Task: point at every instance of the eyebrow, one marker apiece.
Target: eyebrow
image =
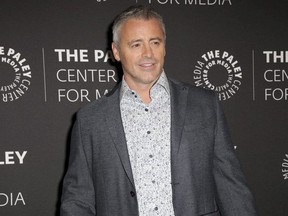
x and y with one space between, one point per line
140 40
134 41
156 38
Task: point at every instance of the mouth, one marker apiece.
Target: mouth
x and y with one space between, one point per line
147 65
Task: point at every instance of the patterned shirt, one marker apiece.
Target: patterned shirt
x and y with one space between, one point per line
147 131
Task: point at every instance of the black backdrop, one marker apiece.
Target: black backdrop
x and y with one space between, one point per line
55 57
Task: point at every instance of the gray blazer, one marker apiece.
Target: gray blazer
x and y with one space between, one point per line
206 176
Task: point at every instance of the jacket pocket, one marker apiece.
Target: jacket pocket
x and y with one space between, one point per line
215 213
211 209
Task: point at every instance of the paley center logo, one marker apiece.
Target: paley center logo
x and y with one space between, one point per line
285 167
219 71
15 74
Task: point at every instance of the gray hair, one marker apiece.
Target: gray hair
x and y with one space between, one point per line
136 12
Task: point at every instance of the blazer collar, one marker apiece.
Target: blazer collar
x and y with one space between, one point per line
115 126
179 94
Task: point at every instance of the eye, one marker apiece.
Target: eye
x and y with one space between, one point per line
135 45
155 42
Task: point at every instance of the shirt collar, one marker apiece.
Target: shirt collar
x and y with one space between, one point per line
162 81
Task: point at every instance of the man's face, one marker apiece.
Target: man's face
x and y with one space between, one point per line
141 51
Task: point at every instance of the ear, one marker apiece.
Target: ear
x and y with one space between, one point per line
115 51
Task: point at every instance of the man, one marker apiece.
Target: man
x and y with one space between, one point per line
153 146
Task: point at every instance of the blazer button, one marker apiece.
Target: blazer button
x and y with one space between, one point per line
132 194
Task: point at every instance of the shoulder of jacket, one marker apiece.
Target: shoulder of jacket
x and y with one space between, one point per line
97 107
192 89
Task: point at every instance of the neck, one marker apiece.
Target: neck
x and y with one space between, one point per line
144 94
143 90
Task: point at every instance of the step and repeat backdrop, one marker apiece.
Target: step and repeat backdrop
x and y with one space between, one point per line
55 57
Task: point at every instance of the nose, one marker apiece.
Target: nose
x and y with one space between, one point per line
147 51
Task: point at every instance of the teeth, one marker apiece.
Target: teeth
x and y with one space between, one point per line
147 64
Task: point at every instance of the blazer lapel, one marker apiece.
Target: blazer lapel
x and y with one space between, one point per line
178 109
114 122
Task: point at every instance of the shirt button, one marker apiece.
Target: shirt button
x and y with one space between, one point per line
156 208
146 109
150 156
148 132
132 193
153 181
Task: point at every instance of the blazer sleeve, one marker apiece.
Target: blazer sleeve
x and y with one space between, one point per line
233 196
78 191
